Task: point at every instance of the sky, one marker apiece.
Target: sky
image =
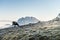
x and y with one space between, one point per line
43 10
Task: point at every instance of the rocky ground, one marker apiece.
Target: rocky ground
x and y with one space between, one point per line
31 32
49 30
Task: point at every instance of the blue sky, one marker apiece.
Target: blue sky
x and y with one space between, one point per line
41 9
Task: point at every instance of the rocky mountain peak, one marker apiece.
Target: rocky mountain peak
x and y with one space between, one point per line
27 20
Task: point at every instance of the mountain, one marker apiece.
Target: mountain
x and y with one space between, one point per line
27 20
58 15
57 18
34 30
55 21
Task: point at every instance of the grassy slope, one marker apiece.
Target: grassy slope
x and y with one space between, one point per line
31 32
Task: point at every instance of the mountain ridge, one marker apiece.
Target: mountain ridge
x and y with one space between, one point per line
27 20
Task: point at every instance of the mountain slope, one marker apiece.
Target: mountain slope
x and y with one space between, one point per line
55 21
49 30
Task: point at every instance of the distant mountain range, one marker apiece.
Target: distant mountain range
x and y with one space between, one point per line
27 20
33 20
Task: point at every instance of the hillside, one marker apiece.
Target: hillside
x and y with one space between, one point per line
49 30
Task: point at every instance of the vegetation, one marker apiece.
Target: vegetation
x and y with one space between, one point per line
33 32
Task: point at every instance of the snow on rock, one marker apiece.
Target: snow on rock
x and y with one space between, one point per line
27 20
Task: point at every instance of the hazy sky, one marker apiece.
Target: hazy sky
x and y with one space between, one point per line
41 9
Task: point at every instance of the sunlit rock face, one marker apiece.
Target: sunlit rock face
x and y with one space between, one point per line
27 20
